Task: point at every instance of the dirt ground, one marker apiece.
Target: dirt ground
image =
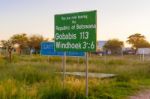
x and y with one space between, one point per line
142 95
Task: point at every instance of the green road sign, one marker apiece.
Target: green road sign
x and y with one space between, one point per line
76 31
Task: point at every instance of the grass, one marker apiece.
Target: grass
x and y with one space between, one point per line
35 77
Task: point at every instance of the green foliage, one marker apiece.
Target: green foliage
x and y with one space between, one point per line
116 62
34 77
8 46
35 41
114 45
29 75
21 40
23 43
138 41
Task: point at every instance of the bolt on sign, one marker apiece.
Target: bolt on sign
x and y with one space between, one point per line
76 31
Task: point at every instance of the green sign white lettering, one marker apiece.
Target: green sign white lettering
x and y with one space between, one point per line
76 31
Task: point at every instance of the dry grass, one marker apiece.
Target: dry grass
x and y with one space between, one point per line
34 77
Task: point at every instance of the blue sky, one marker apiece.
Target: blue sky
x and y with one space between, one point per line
116 18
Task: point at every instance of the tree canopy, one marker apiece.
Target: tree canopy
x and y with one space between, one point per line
21 40
34 42
8 46
25 42
114 45
138 41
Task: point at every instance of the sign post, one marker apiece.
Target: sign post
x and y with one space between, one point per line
64 69
86 74
76 32
143 55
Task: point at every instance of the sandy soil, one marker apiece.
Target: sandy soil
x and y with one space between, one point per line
142 95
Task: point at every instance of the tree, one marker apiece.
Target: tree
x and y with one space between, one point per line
114 45
21 40
8 46
138 41
34 42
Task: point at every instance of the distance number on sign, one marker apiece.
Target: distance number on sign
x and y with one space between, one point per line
88 45
84 35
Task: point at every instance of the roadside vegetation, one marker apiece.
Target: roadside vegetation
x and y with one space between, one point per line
36 77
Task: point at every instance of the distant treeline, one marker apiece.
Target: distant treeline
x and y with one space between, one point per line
22 44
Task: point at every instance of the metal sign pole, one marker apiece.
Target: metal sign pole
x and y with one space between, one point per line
48 59
64 69
78 60
122 52
105 57
86 74
143 56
